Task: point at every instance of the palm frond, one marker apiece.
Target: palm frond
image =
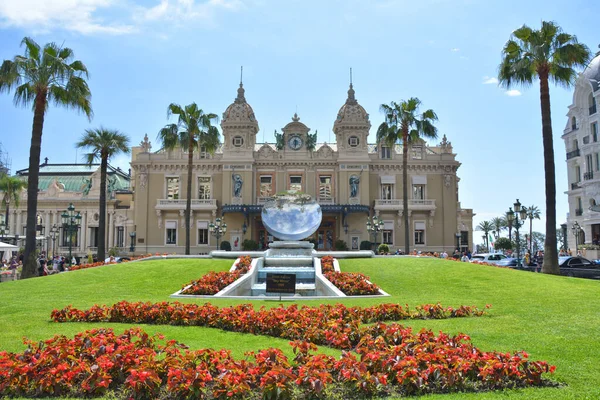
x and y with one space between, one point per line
32 48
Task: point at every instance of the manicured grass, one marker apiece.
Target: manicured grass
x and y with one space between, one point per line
556 319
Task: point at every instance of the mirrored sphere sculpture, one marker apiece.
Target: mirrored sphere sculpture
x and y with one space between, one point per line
291 216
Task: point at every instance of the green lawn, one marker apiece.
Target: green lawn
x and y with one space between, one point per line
556 319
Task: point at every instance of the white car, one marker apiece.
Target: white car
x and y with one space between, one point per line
491 258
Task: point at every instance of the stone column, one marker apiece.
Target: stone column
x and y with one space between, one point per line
84 229
110 227
18 228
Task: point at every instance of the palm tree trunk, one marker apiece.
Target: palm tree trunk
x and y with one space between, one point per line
188 203
550 265
7 213
102 219
405 188
29 258
530 236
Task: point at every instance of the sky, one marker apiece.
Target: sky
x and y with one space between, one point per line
143 55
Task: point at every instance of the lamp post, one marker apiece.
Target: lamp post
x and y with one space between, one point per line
374 226
486 242
218 229
71 221
53 235
458 235
2 230
563 227
576 228
132 245
244 229
513 217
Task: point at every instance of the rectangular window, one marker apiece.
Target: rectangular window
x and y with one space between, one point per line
202 152
417 152
353 141
120 236
597 161
173 188
325 190
266 186
94 236
202 232
386 152
73 237
588 163
171 232
387 191
296 183
577 173
204 187
388 232
419 192
419 233
594 129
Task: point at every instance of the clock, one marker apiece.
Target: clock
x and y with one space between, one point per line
295 142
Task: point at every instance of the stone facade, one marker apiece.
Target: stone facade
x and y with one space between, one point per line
582 144
351 179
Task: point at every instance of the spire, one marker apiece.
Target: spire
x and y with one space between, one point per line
351 99
240 96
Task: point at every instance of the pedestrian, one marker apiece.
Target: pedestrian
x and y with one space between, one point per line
41 262
539 260
464 257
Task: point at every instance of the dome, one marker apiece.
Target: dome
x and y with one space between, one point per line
239 111
351 112
592 73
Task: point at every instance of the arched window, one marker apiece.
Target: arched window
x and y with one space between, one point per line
573 123
592 103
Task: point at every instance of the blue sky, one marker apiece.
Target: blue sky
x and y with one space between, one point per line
143 55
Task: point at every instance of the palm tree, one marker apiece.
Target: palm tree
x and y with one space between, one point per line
40 77
102 144
498 224
403 121
486 227
543 54
508 222
532 213
11 187
193 129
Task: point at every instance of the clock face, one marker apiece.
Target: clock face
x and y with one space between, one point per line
295 142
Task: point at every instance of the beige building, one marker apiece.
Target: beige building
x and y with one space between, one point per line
351 179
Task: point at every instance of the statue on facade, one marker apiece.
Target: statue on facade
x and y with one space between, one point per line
279 142
354 182
237 185
87 186
112 186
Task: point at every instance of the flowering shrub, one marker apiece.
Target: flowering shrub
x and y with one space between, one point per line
101 263
350 283
214 282
141 366
333 325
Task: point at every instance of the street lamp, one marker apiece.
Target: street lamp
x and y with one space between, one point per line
218 229
53 235
71 221
244 229
374 226
563 228
458 235
576 228
2 230
132 245
486 242
513 218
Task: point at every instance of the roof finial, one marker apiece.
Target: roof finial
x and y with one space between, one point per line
351 99
350 76
241 74
240 96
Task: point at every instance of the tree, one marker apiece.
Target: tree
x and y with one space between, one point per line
537 241
402 121
560 238
486 227
103 144
193 130
11 188
544 54
532 213
503 244
498 223
508 223
39 77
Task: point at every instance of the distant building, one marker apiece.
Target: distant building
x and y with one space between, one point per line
351 180
582 144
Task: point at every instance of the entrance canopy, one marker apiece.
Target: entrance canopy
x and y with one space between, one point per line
6 246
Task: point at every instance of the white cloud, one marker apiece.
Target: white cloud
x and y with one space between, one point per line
73 15
512 93
455 50
487 80
178 10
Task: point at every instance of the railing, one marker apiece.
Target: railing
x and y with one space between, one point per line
262 200
588 175
586 139
326 201
181 203
575 186
571 154
412 203
593 109
579 212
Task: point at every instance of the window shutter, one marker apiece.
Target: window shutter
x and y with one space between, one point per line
202 224
171 224
388 225
419 226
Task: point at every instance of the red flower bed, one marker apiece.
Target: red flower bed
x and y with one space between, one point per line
213 282
395 362
333 325
350 283
101 263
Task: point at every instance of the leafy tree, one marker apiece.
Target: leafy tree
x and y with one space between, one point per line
560 238
544 54
537 241
193 129
39 77
11 188
503 244
486 227
402 121
311 141
102 144
533 212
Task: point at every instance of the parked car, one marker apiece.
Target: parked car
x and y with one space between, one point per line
491 258
509 262
578 267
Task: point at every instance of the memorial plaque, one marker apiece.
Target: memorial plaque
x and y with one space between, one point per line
281 283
